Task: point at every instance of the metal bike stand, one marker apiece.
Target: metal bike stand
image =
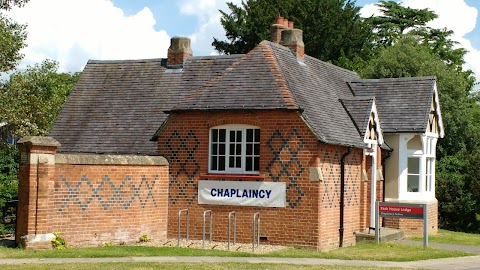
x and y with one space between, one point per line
209 212
256 220
230 214
179 218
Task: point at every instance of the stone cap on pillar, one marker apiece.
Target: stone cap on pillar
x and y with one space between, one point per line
39 141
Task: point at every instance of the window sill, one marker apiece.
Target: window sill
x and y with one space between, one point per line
231 176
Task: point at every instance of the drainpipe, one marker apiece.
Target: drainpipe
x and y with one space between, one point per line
384 160
342 192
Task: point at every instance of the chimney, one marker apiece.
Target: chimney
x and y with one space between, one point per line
179 50
293 38
276 30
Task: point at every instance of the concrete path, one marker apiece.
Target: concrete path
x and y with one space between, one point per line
464 263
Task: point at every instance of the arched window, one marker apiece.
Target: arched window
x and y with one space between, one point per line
234 149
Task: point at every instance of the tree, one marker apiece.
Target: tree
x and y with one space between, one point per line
8 4
396 20
31 99
331 28
12 40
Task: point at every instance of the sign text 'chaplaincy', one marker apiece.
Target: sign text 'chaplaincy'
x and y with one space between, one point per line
243 193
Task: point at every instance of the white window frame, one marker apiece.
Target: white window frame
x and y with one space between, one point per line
426 159
242 169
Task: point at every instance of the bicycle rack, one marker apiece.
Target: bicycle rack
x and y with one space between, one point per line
209 212
256 217
230 214
179 217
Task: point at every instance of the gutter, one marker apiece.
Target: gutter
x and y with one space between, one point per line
342 193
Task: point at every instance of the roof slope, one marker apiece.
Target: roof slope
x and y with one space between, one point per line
403 103
254 82
317 87
117 106
359 110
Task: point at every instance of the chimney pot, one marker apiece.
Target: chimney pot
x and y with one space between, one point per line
290 24
285 23
279 20
179 51
293 38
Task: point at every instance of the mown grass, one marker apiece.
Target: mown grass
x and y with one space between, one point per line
197 266
449 237
364 251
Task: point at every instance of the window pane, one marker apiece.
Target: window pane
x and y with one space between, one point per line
248 164
214 148
232 149
231 162
221 149
221 163
413 165
222 135
213 163
257 135
239 149
413 183
232 136
257 149
214 135
249 149
256 164
238 162
239 136
249 135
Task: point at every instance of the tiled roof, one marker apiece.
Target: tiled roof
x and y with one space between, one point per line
254 82
117 106
403 104
359 109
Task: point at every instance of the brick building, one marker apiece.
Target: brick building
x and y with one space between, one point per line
304 143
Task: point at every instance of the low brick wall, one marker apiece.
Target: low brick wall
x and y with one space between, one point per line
89 199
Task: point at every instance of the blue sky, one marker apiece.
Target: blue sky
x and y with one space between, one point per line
73 31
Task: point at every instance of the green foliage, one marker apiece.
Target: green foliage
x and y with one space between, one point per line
8 174
332 29
396 20
12 40
8 4
58 242
144 238
31 100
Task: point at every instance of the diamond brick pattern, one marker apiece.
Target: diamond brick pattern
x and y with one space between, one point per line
331 183
292 167
118 194
184 166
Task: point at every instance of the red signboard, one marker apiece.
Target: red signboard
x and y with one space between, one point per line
401 211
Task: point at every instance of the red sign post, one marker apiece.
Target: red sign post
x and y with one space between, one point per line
402 210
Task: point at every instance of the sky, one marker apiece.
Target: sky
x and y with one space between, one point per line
74 31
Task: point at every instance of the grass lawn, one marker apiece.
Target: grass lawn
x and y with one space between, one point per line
196 266
364 251
450 237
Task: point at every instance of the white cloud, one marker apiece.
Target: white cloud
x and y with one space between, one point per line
208 21
73 31
455 15
370 10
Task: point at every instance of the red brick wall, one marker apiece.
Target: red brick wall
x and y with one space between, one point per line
88 199
103 203
308 220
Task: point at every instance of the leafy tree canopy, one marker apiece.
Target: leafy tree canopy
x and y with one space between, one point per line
331 28
12 40
8 4
396 19
31 99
